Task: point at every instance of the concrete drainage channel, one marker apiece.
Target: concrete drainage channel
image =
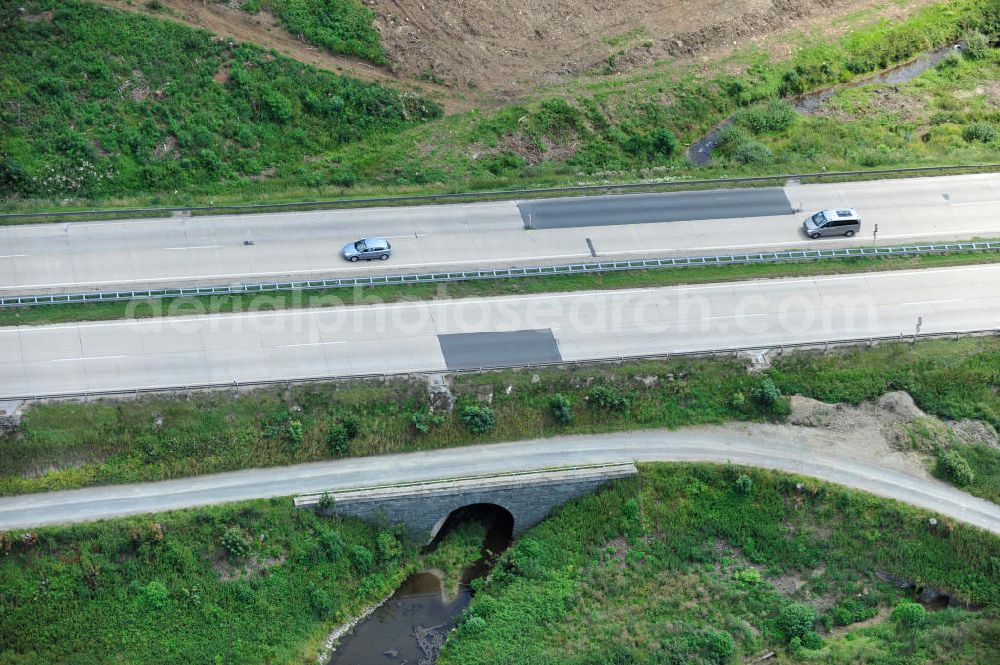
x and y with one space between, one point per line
790 256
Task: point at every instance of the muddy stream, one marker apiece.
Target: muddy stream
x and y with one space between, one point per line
700 152
411 626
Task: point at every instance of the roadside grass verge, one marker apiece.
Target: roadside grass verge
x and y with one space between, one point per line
627 279
251 582
685 561
64 445
698 563
611 128
106 103
165 588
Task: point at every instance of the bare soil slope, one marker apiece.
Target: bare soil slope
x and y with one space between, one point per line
511 45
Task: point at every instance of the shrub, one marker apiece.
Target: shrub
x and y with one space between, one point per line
295 433
608 398
478 419
338 440
954 467
423 421
796 619
748 576
718 646
235 543
659 143
389 547
474 625
561 409
320 601
738 401
352 426
812 640
362 558
765 393
977 45
979 131
751 152
744 485
909 617
276 105
326 503
155 596
776 115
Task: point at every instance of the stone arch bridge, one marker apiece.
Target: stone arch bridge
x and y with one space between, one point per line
424 507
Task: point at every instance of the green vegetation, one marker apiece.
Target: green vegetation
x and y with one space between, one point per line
277 300
593 129
100 102
677 567
452 555
67 445
340 26
257 582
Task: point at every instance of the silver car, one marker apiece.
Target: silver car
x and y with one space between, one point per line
841 222
367 249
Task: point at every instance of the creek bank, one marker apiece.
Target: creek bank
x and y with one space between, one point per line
700 152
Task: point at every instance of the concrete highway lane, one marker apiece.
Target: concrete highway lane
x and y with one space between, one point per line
801 453
79 256
437 335
655 208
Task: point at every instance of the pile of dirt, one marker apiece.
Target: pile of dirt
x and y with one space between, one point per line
893 429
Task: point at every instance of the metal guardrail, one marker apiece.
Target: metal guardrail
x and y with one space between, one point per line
825 345
503 273
462 196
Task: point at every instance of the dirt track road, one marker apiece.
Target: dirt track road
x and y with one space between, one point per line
742 445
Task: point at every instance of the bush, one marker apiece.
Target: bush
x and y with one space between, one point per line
751 152
738 401
979 131
478 419
765 393
775 116
295 433
155 596
748 576
320 601
718 646
235 543
977 45
352 426
608 398
659 143
326 503
812 640
474 625
954 467
744 485
423 421
338 440
362 558
796 619
561 409
389 548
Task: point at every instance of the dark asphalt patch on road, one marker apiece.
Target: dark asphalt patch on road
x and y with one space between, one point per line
653 208
495 349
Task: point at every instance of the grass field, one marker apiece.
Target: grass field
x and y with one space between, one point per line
278 300
686 562
68 445
713 564
631 126
99 102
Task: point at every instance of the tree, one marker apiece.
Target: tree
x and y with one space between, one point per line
909 617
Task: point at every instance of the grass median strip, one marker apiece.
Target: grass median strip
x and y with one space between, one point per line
625 279
66 445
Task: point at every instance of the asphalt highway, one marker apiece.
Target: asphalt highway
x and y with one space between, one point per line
83 256
437 335
800 455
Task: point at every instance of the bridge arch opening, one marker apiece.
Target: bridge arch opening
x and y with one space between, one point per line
498 521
